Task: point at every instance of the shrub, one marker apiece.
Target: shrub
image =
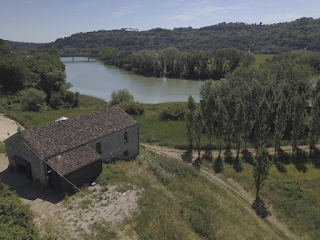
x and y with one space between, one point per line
173 111
132 107
33 100
120 96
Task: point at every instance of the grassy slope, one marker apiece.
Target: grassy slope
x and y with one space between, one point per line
291 194
178 203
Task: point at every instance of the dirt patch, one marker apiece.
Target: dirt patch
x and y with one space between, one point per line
75 215
8 127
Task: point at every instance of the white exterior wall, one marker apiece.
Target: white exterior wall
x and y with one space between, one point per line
113 145
15 145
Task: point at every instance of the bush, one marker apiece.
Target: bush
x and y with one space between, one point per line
173 111
132 107
33 100
120 96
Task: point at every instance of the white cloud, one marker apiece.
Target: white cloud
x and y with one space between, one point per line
84 5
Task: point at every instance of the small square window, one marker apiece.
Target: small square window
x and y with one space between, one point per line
126 153
98 147
125 137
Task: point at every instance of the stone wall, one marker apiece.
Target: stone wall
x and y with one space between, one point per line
16 145
114 147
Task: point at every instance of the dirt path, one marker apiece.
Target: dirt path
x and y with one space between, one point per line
278 229
7 127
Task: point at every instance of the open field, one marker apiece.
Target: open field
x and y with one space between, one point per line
261 58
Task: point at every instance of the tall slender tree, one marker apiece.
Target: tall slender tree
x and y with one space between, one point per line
280 123
261 166
191 121
221 117
209 116
261 127
198 131
239 125
231 109
314 123
298 114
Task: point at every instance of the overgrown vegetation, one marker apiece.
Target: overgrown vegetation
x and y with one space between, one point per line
35 82
16 219
30 119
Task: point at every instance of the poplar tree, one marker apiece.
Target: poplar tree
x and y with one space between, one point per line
280 123
209 112
221 122
198 131
298 115
261 127
190 121
231 109
251 100
239 126
261 166
314 123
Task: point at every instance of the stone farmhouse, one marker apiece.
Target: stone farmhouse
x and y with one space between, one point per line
73 150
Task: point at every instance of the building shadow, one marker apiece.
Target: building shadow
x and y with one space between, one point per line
187 156
218 165
31 191
247 156
300 159
259 207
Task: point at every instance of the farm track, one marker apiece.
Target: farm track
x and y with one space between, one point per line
274 226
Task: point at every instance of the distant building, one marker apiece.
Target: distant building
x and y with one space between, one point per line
73 148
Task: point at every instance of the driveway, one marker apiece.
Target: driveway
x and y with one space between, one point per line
7 128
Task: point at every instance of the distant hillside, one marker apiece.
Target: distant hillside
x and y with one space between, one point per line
300 34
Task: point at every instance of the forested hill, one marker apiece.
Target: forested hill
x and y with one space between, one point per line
302 33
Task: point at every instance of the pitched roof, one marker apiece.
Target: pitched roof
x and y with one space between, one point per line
74 159
58 137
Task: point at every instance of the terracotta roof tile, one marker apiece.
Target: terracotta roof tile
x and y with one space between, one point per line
74 159
58 137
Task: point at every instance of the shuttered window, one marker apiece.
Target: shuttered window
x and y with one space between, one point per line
98 147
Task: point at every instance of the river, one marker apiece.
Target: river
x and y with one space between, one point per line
99 80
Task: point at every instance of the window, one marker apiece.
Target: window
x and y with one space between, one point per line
125 136
98 147
126 153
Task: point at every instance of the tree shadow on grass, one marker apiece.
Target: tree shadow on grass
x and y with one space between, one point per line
315 157
300 159
247 156
283 156
259 207
237 165
218 165
187 156
208 155
228 157
279 165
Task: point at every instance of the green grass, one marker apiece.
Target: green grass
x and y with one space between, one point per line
31 119
292 194
261 58
178 203
2 147
165 133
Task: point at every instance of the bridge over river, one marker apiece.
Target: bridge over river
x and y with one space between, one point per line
81 55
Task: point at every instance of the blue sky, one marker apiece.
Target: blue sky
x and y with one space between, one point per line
47 20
